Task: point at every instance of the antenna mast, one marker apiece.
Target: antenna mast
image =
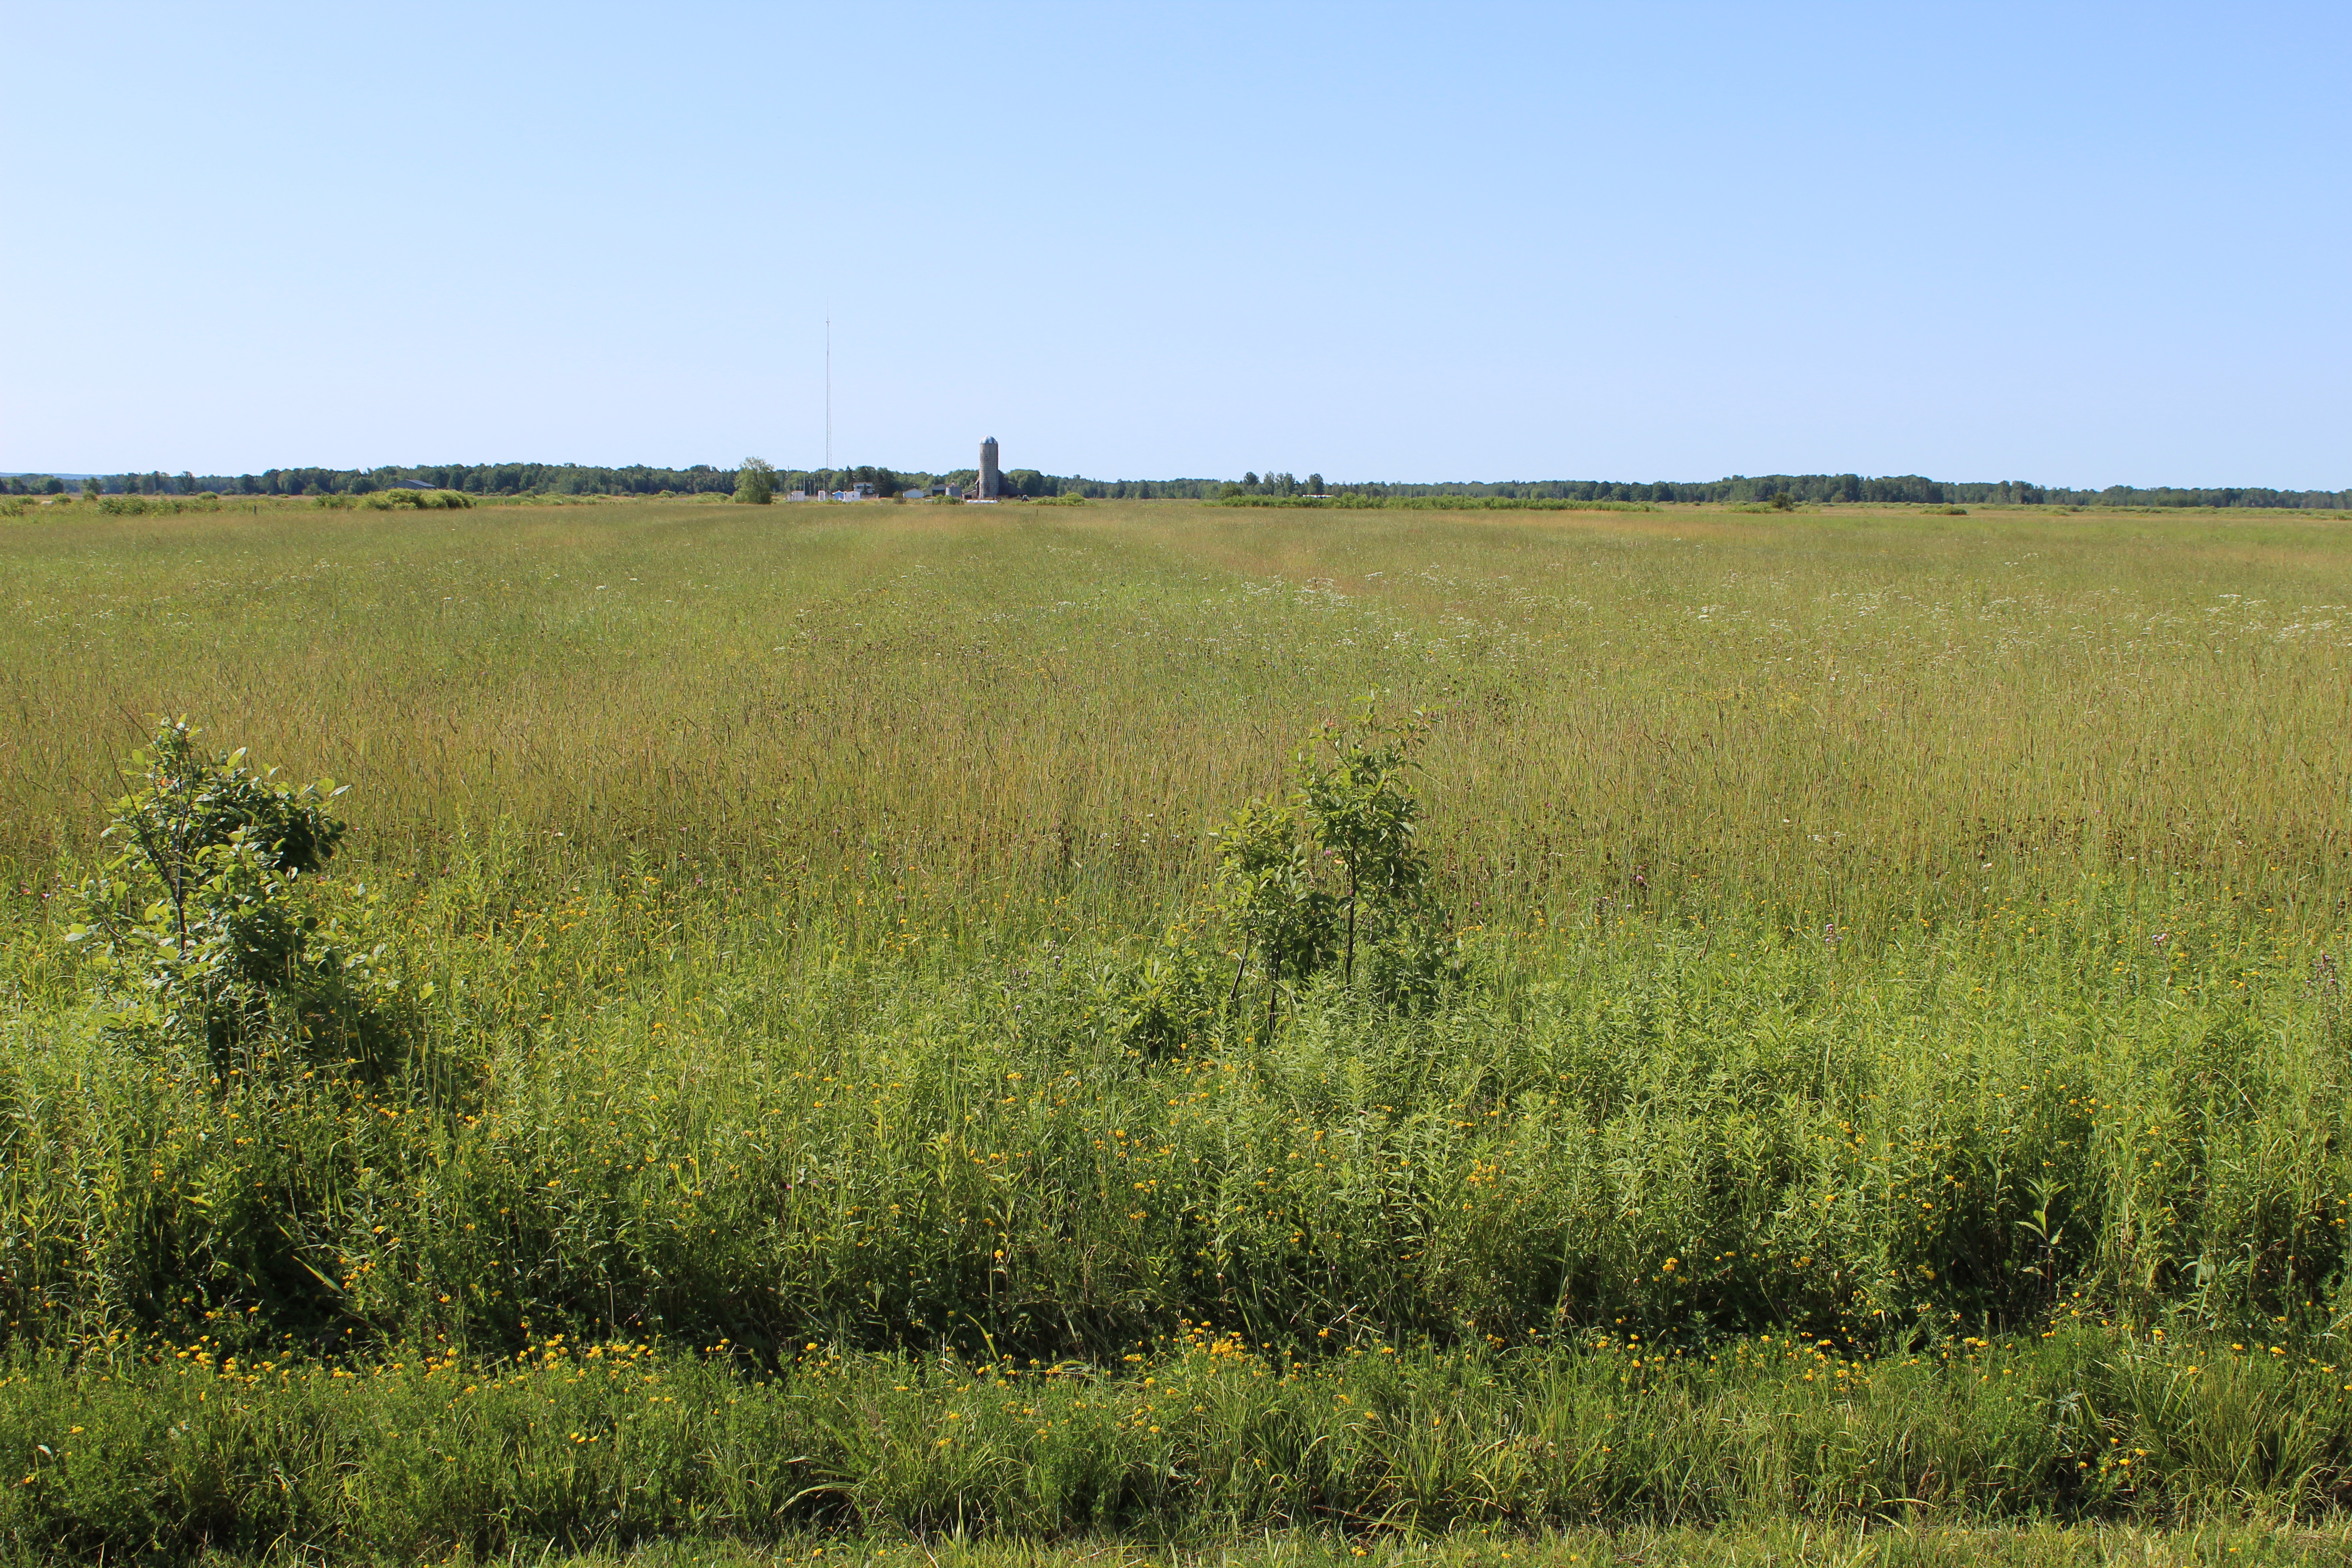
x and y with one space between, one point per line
828 395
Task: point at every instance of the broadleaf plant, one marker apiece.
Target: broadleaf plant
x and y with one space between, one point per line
1334 867
204 921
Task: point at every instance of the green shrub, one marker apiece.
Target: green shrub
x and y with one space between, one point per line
755 483
202 926
422 500
1335 865
250 1022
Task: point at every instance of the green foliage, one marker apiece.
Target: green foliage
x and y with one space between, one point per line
1335 865
193 802
755 483
421 501
254 1030
1847 965
1365 818
1172 998
202 924
1357 501
146 1450
1273 894
644 1110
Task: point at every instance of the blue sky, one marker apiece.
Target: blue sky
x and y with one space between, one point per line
2078 244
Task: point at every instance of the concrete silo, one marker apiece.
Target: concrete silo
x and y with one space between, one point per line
991 478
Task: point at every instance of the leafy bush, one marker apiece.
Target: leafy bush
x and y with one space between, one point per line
755 483
423 500
204 929
1335 867
252 1039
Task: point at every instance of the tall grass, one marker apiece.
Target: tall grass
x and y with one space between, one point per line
1918 935
188 1450
1855 719
1693 1131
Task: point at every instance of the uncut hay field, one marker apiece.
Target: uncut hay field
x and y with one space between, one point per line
1898 1075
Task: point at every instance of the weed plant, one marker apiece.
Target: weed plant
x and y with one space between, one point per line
1697 1132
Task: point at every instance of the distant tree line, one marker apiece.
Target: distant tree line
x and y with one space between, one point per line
582 479
1817 489
703 478
474 478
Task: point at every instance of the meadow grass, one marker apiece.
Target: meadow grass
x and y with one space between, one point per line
1206 1437
1837 715
1802 1543
1915 937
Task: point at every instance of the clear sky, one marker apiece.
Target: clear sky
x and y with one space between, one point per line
2073 243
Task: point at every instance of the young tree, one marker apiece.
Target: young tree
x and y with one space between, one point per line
1351 820
1364 816
755 483
204 920
1271 896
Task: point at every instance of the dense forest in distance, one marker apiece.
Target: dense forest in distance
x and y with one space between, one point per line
581 480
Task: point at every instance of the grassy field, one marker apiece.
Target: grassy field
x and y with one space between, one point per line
1845 715
1899 1079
